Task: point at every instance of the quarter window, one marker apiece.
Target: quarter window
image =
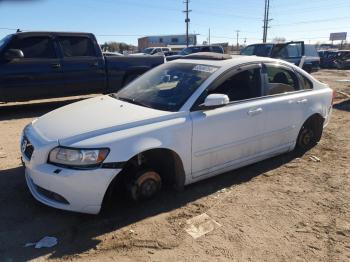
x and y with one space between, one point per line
77 46
280 80
306 83
35 47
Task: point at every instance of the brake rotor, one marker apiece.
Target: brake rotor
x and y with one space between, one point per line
147 185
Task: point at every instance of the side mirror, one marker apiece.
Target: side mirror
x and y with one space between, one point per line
13 54
214 101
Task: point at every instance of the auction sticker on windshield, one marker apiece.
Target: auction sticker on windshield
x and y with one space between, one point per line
205 68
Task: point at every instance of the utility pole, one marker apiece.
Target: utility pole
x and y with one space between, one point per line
209 37
187 20
266 20
237 35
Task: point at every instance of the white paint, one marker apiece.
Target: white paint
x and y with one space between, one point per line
208 142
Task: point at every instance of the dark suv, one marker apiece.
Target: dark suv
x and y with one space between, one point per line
196 49
291 52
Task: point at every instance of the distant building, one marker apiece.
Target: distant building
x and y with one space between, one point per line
166 40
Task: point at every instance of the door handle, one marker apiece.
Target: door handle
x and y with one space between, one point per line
55 65
302 101
253 112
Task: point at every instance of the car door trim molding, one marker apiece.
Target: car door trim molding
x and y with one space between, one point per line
241 142
231 165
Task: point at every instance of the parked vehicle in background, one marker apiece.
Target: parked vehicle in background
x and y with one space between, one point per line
179 123
327 58
196 49
291 52
169 53
342 59
36 65
156 50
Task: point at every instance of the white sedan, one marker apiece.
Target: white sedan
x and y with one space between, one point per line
179 123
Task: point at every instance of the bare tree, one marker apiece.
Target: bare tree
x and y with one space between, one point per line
279 40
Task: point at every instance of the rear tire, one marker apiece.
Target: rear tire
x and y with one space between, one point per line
309 135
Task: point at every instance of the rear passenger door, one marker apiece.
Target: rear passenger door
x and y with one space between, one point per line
36 75
285 103
82 66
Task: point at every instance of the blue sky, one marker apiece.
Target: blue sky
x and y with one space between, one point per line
126 20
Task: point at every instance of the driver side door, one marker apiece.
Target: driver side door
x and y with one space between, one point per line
228 137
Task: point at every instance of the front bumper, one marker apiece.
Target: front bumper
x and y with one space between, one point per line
82 190
68 189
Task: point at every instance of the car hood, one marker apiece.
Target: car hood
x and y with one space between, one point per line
93 117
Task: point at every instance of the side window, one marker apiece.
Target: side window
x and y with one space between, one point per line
216 49
35 47
280 80
305 83
249 50
77 46
241 86
205 49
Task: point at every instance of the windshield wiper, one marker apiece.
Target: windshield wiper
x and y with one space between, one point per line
131 101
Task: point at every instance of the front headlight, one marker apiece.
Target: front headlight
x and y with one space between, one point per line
78 158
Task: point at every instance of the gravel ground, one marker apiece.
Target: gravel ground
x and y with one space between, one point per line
286 208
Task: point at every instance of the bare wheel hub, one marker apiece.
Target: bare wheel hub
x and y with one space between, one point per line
148 184
306 136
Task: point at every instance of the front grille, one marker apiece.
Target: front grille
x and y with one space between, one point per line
27 148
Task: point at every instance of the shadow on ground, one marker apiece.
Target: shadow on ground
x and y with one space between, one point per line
25 220
344 105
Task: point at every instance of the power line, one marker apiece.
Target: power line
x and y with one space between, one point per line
315 21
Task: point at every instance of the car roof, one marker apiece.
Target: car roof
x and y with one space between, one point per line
39 33
234 61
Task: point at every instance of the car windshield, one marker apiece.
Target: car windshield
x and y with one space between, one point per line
166 87
4 41
190 50
148 51
258 50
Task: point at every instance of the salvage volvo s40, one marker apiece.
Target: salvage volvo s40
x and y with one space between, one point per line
179 123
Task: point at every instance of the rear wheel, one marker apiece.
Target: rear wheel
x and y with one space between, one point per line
309 134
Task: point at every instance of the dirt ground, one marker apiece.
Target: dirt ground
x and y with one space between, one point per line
286 208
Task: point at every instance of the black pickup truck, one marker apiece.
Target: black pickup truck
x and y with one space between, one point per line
36 65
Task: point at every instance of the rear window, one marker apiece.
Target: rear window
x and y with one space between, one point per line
34 47
306 84
77 46
217 49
